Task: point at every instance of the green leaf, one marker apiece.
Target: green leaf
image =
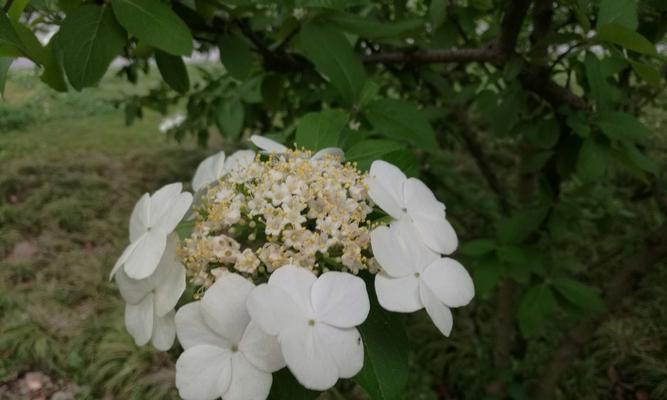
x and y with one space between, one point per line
286 387
600 89
236 56
621 126
33 47
639 159
336 60
5 63
385 372
367 151
624 37
16 9
593 159
155 24
53 74
273 87
229 118
318 130
485 275
405 160
90 39
478 247
521 224
535 307
437 12
402 121
173 71
622 12
647 72
10 39
579 295
373 29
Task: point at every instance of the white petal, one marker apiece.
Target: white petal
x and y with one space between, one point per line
261 349
164 331
440 314
238 159
192 329
167 221
274 310
329 151
203 372
340 299
449 282
208 171
133 291
308 358
389 252
122 259
139 320
224 306
385 187
169 281
146 255
346 347
297 283
419 199
248 382
268 145
419 254
438 234
140 218
161 200
398 294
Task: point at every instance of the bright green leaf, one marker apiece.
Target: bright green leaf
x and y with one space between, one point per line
536 305
154 23
624 37
402 120
318 130
336 60
173 71
16 9
86 61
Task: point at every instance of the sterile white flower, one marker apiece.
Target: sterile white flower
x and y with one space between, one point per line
414 277
226 355
272 147
315 322
216 166
149 312
153 218
409 198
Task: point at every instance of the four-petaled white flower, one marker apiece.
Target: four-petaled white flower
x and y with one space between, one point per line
315 322
269 146
226 355
216 166
409 198
414 277
149 312
153 218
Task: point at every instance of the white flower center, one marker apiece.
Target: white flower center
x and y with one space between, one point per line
235 348
311 322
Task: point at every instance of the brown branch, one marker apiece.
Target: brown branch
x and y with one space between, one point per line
653 251
510 26
537 80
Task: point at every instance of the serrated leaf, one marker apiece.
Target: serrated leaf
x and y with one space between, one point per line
622 126
318 130
535 307
90 39
236 56
593 159
154 23
336 60
622 12
385 372
624 37
229 118
401 120
579 295
173 71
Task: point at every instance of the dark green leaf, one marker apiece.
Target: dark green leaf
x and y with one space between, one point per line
477 248
600 89
624 37
86 61
35 50
367 151
405 160
636 158
485 275
579 295
593 159
318 130
236 56
229 118
622 12
336 60
155 24
521 224
385 372
437 12
535 307
53 74
372 29
5 63
647 72
10 40
622 126
402 121
286 387
16 9
173 71
272 90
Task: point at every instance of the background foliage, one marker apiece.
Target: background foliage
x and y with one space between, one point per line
539 123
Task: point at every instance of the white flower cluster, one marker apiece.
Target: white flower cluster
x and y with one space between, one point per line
277 239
